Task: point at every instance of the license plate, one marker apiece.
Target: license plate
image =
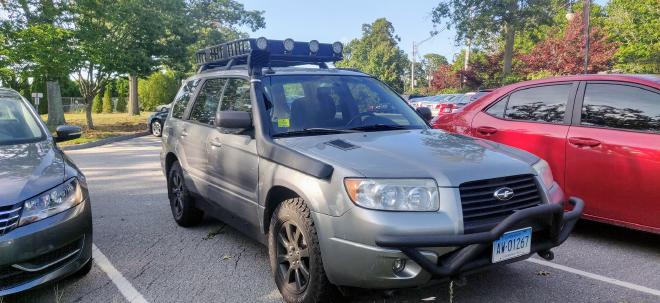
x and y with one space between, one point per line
512 244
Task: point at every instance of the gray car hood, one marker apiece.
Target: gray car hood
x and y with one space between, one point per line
27 170
450 159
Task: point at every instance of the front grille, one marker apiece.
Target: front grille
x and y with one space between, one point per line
11 277
482 211
9 216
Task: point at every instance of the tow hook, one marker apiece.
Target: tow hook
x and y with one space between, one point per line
546 254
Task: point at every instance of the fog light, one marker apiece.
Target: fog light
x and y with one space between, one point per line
288 45
262 43
398 265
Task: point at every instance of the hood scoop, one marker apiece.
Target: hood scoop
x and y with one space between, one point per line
341 144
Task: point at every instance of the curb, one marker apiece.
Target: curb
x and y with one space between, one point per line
103 141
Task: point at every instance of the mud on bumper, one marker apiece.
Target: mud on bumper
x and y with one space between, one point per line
552 226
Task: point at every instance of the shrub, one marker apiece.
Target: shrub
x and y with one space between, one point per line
107 100
159 88
97 104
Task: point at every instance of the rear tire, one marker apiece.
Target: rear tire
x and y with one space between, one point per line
157 128
295 255
182 203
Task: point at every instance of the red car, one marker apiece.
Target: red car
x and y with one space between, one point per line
599 133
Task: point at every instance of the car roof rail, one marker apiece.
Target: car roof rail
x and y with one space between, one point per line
260 53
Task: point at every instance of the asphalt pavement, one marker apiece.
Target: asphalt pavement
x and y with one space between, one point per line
158 261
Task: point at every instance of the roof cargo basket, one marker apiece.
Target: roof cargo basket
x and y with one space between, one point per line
261 52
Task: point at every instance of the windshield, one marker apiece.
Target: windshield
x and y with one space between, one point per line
17 125
339 103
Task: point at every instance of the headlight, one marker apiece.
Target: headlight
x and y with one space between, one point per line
543 170
54 201
394 194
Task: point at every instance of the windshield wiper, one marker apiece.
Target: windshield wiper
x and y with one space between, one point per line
314 131
378 127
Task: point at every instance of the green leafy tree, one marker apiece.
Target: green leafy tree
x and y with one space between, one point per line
477 21
159 88
122 95
38 42
377 53
97 105
635 24
107 100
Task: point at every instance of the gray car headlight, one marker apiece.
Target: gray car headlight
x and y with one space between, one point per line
51 202
394 194
544 172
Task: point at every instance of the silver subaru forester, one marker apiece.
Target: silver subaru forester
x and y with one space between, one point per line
346 183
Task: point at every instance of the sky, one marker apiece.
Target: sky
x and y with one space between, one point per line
341 20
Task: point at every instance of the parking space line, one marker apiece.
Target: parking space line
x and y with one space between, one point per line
597 277
127 290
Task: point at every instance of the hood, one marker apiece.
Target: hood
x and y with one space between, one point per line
27 170
450 159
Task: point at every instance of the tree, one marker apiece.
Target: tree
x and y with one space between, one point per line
563 54
377 53
107 100
635 24
97 104
445 77
39 43
122 94
159 88
477 21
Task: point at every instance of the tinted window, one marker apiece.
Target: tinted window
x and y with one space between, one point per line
237 96
542 104
497 109
621 106
17 124
206 103
182 98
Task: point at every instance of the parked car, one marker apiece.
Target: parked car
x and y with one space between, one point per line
600 134
328 183
45 211
156 120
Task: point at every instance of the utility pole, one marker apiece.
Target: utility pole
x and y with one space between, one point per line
412 68
587 9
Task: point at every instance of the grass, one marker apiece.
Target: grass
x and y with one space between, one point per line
105 126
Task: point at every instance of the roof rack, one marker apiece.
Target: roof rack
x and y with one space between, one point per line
259 53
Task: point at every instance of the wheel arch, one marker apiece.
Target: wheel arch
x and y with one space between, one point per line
170 158
276 195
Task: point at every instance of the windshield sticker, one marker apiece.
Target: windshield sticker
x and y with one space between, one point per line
283 122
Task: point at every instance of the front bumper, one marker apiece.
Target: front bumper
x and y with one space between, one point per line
552 228
46 250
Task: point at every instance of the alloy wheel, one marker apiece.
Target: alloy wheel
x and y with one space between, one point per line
177 194
293 257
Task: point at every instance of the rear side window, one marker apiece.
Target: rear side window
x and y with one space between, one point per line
206 102
621 106
237 96
539 104
183 97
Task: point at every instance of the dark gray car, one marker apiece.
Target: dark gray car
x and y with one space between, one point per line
45 212
343 180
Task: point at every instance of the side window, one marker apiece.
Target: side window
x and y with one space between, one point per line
539 104
183 97
621 106
237 96
206 103
497 109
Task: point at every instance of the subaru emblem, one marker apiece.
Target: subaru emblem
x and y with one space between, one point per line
503 193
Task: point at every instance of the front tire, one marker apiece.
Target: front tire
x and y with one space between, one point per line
295 254
182 203
156 128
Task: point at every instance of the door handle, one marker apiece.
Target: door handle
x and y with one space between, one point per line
581 142
216 143
486 130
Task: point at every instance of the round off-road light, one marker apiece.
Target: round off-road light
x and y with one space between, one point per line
288 45
337 47
314 46
262 43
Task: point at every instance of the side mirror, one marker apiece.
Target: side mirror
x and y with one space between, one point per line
164 109
425 113
68 132
233 119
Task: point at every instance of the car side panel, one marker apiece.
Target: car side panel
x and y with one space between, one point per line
542 139
618 178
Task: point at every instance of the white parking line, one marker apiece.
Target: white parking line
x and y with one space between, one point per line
597 277
125 287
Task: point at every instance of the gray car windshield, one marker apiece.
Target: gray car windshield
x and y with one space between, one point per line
17 124
310 105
